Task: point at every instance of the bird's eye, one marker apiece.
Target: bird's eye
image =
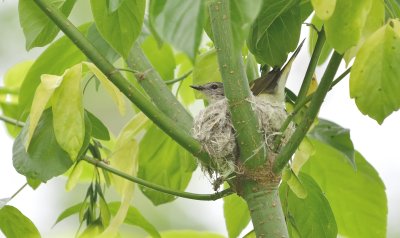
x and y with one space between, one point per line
214 86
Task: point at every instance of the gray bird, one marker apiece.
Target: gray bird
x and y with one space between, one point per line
270 86
213 126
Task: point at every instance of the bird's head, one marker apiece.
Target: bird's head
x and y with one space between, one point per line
213 91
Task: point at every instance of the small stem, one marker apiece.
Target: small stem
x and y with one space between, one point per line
316 102
178 79
300 105
18 191
311 66
168 125
11 121
194 196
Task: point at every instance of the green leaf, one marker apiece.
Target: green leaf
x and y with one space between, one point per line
13 79
113 5
294 183
68 113
189 233
45 158
344 27
178 22
99 130
267 41
375 19
324 8
236 213
39 29
184 65
357 198
111 89
375 73
101 45
174 164
121 27
69 212
311 216
303 153
14 224
161 57
335 136
41 100
243 13
206 70
33 183
11 110
135 218
62 54
251 67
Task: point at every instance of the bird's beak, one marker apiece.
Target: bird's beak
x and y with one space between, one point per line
197 87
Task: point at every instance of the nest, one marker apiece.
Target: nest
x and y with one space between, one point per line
214 130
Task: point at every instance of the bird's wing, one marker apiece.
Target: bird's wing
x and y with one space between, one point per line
268 82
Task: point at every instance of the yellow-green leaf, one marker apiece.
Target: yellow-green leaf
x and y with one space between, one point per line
303 153
114 92
374 78
324 8
13 79
68 113
237 215
42 96
294 183
74 176
344 27
375 19
124 158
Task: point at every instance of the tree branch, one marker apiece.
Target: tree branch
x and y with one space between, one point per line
236 87
311 66
301 104
12 121
194 196
156 88
134 95
316 102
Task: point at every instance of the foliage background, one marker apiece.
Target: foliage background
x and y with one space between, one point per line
378 144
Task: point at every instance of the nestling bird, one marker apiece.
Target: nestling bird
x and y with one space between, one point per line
213 126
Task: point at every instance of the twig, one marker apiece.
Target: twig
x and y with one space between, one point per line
178 79
194 196
12 121
316 102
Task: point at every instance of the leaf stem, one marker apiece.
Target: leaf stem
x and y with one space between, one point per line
169 126
194 196
301 104
316 102
236 87
311 66
18 191
11 121
179 79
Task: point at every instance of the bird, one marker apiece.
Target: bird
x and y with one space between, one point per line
213 126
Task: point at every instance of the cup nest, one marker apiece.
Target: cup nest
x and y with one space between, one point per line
214 130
